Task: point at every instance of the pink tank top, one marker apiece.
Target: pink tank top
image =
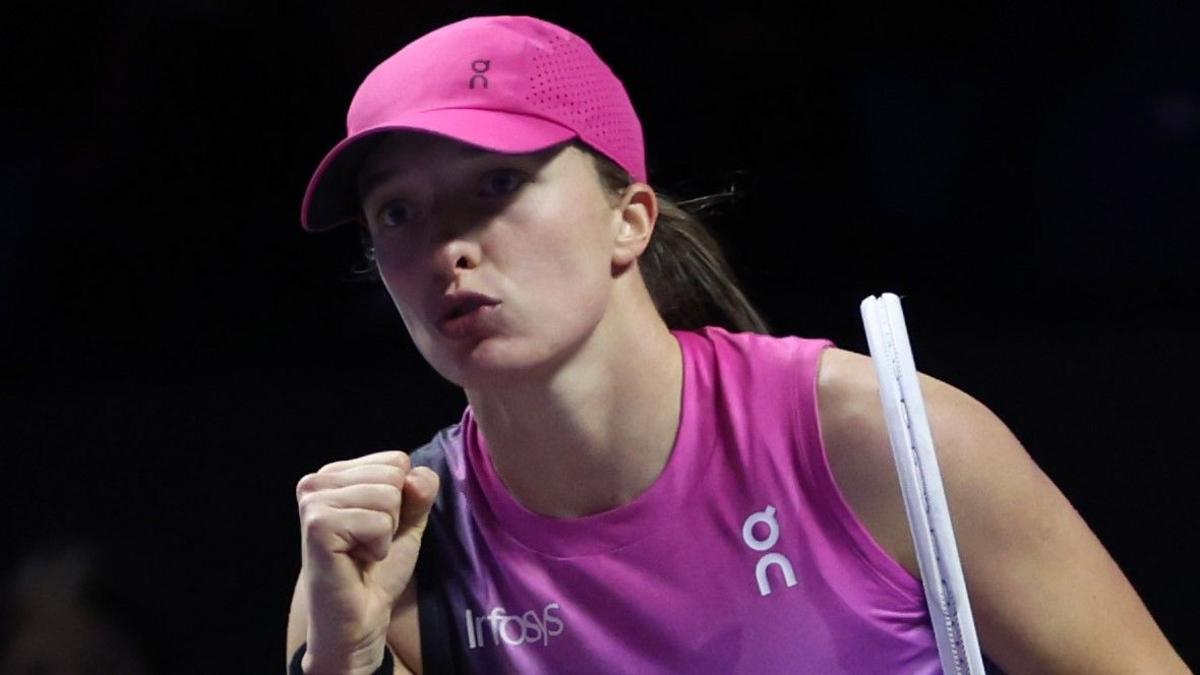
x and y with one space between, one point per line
742 557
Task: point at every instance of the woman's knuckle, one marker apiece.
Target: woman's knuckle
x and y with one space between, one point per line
403 461
382 521
306 484
314 519
306 503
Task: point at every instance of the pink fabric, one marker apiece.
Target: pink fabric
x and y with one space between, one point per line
674 581
504 83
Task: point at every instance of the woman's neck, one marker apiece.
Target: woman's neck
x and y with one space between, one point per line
596 434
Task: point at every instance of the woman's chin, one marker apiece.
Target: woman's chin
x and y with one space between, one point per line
488 364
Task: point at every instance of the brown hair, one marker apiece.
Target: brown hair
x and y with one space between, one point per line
685 271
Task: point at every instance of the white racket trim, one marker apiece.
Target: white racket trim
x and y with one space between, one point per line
921 485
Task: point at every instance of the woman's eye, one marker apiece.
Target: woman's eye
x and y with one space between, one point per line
394 214
502 182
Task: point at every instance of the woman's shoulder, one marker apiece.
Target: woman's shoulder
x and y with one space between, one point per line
966 433
967 437
849 401
754 350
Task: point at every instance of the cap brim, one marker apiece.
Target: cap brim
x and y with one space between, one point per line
332 195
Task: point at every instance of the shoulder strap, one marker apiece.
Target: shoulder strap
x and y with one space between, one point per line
445 567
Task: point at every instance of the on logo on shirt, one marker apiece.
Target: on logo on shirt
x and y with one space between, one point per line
767 517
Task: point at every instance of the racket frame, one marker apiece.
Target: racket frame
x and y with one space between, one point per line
921 485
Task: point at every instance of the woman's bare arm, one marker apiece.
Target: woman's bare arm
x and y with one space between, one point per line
1046 596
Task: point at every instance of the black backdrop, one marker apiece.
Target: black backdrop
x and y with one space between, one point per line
175 353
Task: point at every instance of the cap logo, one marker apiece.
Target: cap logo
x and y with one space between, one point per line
480 66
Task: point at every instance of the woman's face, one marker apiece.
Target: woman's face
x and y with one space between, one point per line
500 265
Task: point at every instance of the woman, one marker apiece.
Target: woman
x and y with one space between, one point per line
629 491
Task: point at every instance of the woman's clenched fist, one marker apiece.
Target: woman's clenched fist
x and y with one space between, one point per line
361 524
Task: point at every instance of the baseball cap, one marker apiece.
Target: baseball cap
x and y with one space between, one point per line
510 84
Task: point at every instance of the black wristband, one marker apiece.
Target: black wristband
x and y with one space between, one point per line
385 668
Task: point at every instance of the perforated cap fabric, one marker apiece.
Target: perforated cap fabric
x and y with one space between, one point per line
510 84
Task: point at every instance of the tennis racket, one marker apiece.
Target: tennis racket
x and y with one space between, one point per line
921 485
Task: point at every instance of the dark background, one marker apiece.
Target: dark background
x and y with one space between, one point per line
175 352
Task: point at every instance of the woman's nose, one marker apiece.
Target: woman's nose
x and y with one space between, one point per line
456 252
459 227
458 255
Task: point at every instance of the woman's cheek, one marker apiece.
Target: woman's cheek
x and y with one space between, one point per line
405 300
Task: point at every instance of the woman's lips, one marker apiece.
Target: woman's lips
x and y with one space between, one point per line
465 314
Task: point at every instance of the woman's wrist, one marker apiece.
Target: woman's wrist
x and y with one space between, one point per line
303 663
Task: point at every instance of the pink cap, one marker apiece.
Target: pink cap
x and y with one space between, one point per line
504 83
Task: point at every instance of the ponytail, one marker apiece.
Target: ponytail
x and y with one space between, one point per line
685 271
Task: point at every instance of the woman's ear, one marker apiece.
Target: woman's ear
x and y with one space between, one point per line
637 213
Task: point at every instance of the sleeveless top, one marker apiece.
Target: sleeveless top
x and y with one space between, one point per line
742 557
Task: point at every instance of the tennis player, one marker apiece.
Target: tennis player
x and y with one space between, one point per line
643 481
